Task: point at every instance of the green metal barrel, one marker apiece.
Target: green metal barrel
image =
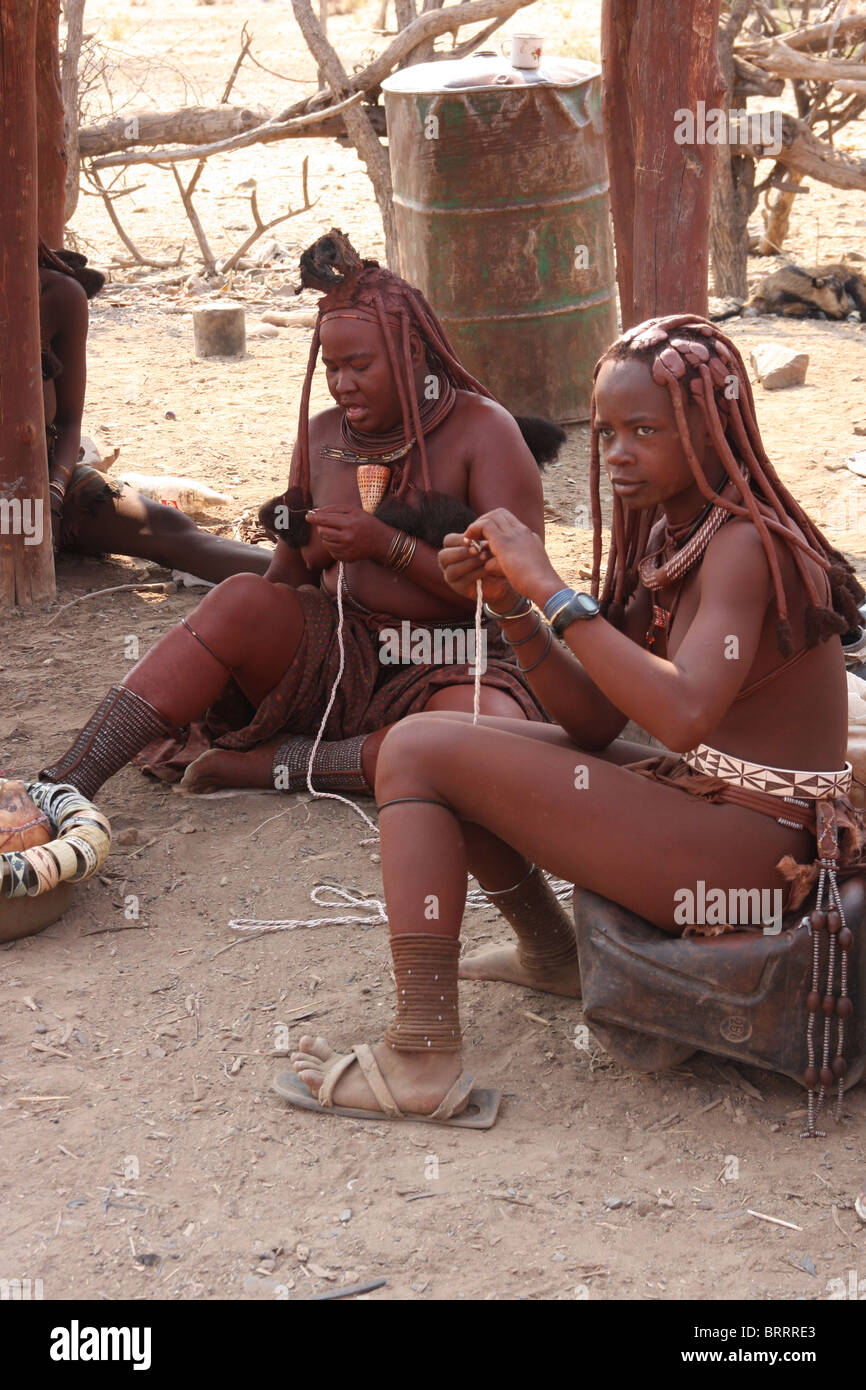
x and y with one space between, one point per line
503 220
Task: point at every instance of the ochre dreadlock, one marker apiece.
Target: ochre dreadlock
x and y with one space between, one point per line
71 263
685 351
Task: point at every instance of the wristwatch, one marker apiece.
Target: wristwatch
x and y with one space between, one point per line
576 608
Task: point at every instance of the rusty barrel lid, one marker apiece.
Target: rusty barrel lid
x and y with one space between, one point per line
488 69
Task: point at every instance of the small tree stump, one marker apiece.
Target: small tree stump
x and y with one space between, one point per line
219 331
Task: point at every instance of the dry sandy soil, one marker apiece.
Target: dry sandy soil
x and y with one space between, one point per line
144 1155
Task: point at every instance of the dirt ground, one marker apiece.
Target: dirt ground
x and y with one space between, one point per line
144 1155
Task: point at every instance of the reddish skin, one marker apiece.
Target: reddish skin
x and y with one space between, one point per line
130 524
511 788
477 455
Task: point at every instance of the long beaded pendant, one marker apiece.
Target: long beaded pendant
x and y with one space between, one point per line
661 623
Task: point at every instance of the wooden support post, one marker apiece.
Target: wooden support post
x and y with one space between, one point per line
658 59
49 125
26 557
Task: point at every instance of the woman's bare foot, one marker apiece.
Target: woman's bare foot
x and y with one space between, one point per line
418 1081
503 963
220 767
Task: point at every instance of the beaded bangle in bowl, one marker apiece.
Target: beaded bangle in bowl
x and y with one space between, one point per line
80 849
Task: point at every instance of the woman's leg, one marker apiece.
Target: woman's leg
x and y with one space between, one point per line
583 817
135 525
246 628
221 767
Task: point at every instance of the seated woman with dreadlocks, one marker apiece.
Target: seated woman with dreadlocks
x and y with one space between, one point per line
435 450
716 632
89 514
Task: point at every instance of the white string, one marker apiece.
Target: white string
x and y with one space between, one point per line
346 897
377 916
476 699
352 897
335 796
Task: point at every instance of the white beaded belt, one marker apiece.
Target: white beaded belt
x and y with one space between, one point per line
776 781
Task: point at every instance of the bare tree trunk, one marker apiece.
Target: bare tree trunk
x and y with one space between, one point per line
26 560
74 11
733 197
658 59
50 132
370 149
424 52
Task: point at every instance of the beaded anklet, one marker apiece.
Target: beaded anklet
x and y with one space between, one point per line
427 1017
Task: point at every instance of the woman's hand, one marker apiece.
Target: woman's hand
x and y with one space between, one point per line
350 533
513 558
463 563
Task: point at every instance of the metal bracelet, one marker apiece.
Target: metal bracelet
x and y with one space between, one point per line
406 556
526 669
521 640
512 612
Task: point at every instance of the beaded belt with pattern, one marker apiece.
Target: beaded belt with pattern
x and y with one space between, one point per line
776 781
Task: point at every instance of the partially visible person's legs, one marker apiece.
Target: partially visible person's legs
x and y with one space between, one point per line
583 817
222 767
246 628
135 525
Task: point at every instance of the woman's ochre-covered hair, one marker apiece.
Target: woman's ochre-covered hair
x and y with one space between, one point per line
696 362
74 264
367 291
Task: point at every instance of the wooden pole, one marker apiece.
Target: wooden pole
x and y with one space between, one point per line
50 125
659 59
26 557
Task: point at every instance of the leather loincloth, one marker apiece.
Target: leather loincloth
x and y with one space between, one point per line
799 811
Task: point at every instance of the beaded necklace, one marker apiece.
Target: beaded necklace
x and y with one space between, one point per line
392 445
683 549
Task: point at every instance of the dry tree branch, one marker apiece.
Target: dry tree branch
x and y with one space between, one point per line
195 222
423 53
187 192
273 73
109 199
784 61
803 152
316 106
186 125
818 35
430 25
370 149
262 227
260 134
